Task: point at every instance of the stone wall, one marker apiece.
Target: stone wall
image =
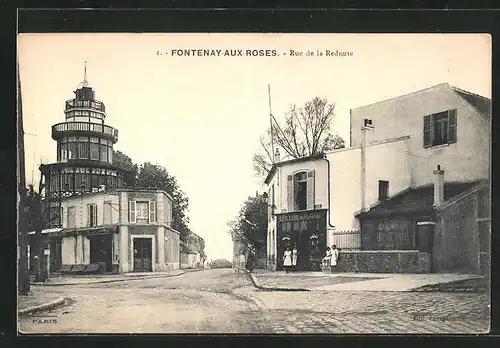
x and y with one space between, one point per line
381 261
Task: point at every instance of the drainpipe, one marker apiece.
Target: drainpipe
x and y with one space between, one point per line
329 199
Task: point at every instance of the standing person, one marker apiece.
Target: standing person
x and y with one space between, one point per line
287 259
334 257
251 260
242 262
294 256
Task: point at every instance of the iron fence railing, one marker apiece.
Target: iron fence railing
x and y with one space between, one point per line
378 239
349 240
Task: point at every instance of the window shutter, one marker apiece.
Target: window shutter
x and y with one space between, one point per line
452 126
132 212
427 131
152 212
289 193
89 215
310 190
94 216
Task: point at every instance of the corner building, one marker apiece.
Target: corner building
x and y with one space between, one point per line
95 222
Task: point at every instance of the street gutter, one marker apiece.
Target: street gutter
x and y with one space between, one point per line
269 288
105 281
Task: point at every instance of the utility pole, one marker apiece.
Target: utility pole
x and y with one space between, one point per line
22 231
271 123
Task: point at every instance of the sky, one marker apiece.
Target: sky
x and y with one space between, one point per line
201 117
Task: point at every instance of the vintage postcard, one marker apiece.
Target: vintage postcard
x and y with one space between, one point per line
254 183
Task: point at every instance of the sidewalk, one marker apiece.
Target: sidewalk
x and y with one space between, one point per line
318 281
36 302
98 279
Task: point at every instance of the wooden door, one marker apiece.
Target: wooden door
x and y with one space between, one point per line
143 255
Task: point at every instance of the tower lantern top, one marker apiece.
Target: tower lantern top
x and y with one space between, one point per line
84 91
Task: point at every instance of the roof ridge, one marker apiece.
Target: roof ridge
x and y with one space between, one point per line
402 95
468 92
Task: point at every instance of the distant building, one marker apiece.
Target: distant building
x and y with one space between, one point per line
195 255
408 157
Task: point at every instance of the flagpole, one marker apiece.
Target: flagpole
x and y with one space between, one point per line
271 123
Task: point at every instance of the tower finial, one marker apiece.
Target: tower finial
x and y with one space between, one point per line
85 83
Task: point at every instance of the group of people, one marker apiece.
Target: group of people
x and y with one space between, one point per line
290 258
331 258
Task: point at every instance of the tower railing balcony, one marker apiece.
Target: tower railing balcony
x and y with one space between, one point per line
84 128
92 104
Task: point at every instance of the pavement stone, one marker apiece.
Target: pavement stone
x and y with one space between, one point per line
373 312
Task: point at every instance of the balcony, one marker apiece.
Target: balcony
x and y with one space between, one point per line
90 104
84 129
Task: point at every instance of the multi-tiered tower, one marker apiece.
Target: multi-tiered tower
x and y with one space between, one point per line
84 153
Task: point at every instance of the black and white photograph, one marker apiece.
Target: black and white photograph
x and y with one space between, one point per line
254 183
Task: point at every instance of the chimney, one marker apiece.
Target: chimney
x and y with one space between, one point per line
438 186
277 156
367 125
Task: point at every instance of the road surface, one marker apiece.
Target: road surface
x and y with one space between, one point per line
220 301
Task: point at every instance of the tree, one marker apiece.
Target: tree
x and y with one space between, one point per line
153 176
37 221
124 162
306 131
157 177
250 226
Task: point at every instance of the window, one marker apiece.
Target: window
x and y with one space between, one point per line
107 213
72 150
92 215
104 153
142 212
83 150
64 152
71 217
110 154
383 190
440 128
300 191
94 151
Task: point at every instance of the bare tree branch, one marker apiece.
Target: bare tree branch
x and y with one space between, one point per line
305 131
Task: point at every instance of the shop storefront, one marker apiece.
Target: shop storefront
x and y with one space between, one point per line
307 232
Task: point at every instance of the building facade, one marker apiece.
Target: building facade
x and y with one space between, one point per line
346 197
195 255
117 231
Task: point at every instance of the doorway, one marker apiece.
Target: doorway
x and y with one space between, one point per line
55 254
143 253
101 251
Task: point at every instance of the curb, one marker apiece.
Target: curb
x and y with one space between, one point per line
112 280
269 288
43 307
